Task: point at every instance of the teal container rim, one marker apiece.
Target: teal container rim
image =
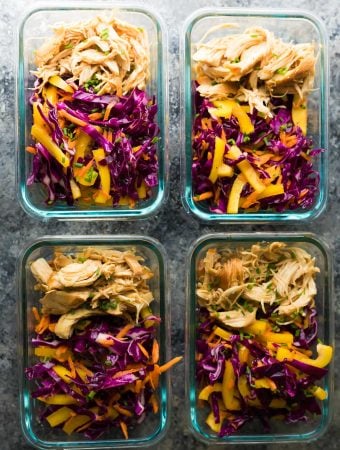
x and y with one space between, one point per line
71 213
186 114
22 345
249 238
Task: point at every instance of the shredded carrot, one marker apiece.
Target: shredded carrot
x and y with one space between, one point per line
52 326
104 134
114 398
143 350
170 363
206 123
305 156
138 386
146 380
124 429
84 368
95 116
204 196
288 140
36 314
72 119
154 377
72 368
109 136
155 352
71 144
108 110
124 331
217 194
82 171
249 200
32 150
154 403
43 324
211 336
65 98
60 350
126 372
122 410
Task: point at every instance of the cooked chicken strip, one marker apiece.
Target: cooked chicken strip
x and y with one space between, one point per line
79 275
41 270
61 302
66 322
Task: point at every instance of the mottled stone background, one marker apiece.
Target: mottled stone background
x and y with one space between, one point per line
172 227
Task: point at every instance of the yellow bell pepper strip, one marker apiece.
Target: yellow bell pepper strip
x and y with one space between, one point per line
235 194
278 338
124 201
243 387
265 383
63 373
258 327
277 403
57 81
75 422
225 171
270 190
243 354
142 190
218 158
247 169
325 354
243 119
223 108
60 416
51 95
207 390
222 333
59 399
40 134
37 118
105 178
146 312
82 144
320 393
210 421
228 385
299 113
76 193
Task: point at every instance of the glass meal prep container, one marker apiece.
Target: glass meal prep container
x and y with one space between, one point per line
290 26
37 26
253 432
40 434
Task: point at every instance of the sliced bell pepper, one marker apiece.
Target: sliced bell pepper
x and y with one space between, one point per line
59 399
82 144
63 373
60 416
105 178
218 158
228 388
223 108
225 171
50 94
257 327
142 190
210 421
270 190
278 338
243 119
75 422
235 194
40 134
222 333
37 118
299 113
76 193
57 81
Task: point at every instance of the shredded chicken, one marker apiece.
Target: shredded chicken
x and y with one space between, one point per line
106 52
252 66
111 281
233 284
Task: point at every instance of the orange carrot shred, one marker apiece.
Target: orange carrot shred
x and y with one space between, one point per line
124 331
124 429
61 349
32 150
72 119
36 314
123 411
108 110
138 386
43 324
204 196
95 116
155 352
82 171
72 368
154 377
154 403
170 363
143 350
52 326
